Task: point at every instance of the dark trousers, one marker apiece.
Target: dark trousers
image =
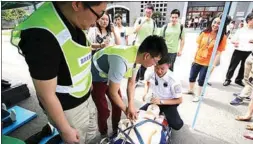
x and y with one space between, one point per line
171 114
196 70
98 96
141 73
237 57
172 58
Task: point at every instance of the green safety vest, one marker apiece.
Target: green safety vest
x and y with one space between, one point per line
78 57
127 53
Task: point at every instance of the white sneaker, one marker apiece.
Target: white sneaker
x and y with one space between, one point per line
4 107
195 99
13 115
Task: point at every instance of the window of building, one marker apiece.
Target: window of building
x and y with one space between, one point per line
211 8
164 18
141 10
220 8
161 9
165 5
161 5
156 9
141 6
157 5
141 1
164 9
164 14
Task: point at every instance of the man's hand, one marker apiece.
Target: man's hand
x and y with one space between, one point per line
251 41
70 136
131 112
155 100
179 53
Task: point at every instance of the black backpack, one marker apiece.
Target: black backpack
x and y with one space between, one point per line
181 29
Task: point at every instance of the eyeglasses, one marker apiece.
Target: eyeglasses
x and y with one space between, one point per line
98 16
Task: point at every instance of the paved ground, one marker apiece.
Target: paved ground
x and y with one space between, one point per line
215 123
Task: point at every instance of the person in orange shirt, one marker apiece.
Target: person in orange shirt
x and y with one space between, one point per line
206 42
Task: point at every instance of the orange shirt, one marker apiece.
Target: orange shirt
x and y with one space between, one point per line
206 46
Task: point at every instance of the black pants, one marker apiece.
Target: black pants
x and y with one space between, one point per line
237 57
172 58
141 73
171 114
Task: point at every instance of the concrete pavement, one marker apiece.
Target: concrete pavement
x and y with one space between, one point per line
215 123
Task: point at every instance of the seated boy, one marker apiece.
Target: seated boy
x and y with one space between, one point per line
166 93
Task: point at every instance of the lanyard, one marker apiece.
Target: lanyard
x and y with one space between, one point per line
208 40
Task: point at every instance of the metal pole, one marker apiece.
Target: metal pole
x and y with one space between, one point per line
222 25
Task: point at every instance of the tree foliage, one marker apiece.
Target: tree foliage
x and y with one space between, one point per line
14 14
157 15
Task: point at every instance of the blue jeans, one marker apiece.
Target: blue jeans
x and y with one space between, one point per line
196 70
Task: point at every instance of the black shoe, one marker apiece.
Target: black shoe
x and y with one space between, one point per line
240 83
227 82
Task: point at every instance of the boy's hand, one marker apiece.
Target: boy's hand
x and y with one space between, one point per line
155 101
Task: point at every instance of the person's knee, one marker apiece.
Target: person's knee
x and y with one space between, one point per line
178 125
201 83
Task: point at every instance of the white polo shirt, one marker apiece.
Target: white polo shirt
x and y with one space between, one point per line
171 91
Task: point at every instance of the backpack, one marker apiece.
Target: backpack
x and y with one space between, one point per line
181 29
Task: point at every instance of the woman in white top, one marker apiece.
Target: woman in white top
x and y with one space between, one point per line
103 34
120 29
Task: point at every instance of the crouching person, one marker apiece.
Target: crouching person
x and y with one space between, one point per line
166 93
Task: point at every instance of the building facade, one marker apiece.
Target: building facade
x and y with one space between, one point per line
189 10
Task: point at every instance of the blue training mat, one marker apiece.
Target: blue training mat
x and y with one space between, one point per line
22 116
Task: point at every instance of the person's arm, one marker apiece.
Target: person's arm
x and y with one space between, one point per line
117 69
130 95
146 89
174 101
116 38
138 26
126 38
235 38
45 90
182 42
114 94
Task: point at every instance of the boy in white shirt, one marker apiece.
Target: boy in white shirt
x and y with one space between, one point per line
166 93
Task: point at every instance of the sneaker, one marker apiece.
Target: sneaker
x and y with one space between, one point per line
247 98
13 115
4 107
189 92
227 82
195 99
236 101
210 84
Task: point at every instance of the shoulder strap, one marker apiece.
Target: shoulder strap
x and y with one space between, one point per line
181 30
153 27
165 27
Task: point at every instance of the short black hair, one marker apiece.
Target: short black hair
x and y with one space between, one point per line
92 3
164 60
154 45
118 16
249 17
175 11
150 6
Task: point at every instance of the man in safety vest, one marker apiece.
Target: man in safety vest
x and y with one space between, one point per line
109 66
59 60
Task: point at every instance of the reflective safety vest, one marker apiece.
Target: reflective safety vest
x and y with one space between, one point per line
78 57
127 53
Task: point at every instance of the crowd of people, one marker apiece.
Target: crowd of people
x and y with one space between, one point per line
73 80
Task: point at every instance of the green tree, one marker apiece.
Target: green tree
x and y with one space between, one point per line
14 14
156 16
